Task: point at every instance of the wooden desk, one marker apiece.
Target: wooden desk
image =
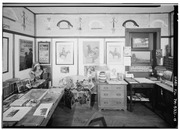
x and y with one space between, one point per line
134 84
39 121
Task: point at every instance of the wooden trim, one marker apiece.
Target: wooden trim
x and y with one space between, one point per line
17 33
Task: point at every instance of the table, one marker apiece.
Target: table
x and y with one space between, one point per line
140 83
112 95
39 121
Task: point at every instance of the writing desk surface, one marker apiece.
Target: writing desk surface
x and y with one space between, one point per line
30 120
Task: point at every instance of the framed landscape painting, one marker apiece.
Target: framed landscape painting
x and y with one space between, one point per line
141 58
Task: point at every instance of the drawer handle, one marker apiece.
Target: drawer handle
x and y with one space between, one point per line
105 94
118 88
118 102
105 87
105 102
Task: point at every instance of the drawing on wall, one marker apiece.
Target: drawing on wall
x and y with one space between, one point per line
96 24
26 54
141 57
127 51
64 53
5 54
140 43
24 18
44 52
130 21
64 24
64 69
114 53
91 52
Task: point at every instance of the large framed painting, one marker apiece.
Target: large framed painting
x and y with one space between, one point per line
140 43
25 54
141 58
114 53
64 53
44 52
91 52
5 54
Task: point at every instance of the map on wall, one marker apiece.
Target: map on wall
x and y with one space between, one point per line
91 52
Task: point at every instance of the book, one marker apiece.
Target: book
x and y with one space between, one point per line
20 102
43 109
15 113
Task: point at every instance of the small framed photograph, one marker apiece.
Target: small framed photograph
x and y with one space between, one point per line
141 58
64 53
140 43
44 52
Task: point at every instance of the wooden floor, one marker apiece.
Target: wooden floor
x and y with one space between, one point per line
80 114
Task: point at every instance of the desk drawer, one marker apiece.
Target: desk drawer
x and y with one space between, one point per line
112 87
112 94
112 102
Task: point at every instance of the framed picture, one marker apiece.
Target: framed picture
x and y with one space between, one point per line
141 58
5 54
91 52
114 53
44 52
140 43
25 54
64 53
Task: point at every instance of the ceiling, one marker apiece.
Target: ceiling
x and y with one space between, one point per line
94 8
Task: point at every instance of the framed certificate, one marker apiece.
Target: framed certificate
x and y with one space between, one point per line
44 52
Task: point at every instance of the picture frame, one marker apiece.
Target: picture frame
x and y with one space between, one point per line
44 52
140 43
114 52
91 52
64 53
5 54
141 58
25 54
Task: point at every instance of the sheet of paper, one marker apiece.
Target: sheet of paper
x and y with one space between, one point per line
127 61
15 113
144 80
43 109
127 51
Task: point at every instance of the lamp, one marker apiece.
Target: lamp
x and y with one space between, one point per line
102 72
159 71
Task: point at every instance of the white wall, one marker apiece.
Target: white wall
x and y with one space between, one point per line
9 74
56 69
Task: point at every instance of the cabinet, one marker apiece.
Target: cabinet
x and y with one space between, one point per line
112 96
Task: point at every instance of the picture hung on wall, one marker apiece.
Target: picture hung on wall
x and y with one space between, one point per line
5 54
64 53
91 52
44 52
127 51
114 53
141 58
90 71
140 43
26 54
64 69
